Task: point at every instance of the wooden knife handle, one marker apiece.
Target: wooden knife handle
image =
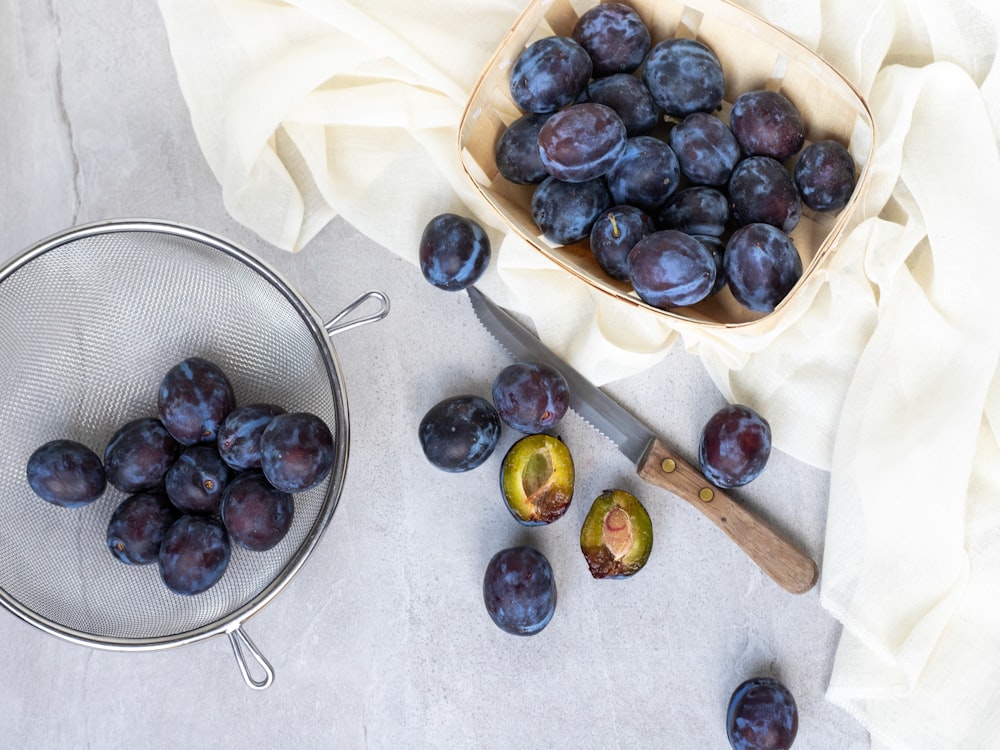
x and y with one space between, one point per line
789 566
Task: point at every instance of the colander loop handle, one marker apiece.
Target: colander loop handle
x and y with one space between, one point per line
342 320
242 645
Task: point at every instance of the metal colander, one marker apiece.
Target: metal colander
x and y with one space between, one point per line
90 320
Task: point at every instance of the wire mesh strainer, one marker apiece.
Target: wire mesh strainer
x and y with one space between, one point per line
90 320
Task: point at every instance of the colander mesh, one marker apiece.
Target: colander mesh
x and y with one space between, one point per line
89 327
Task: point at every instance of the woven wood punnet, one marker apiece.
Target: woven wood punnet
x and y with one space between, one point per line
754 55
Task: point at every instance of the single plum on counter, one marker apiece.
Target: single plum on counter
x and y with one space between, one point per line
762 715
454 252
66 473
734 446
459 433
530 396
519 590
195 397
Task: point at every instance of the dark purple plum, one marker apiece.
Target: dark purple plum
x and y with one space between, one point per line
613 236
196 481
459 433
519 590
696 210
581 142
454 252
516 151
628 96
256 515
239 437
296 451
194 555
565 212
766 123
614 36
549 74
66 473
684 76
139 454
762 190
824 175
530 396
645 175
194 398
762 715
671 269
706 148
762 265
138 526
734 447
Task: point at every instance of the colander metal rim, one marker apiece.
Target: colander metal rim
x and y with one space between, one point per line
232 622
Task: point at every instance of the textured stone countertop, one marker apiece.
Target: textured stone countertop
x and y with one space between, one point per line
382 640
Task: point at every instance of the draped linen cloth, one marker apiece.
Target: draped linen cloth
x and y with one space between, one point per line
886 377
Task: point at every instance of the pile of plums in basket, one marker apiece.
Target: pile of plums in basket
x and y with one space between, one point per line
623 139
203 474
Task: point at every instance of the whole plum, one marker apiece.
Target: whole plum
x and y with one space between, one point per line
762 190
762 715
519 590
684 76
762 265
629 97
530 396
565 212
139 454
197 479
766 123
824 175
671 269
239 437
256 515
454 252
645 175
613 236
297 451
696 210
459 433
706 148
549 74
138 526
194 555
581 142
615 37
734 446
516 151
194 398
66 473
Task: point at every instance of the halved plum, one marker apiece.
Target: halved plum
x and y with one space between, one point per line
537 478
617 535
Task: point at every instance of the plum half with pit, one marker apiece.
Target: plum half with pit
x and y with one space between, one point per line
617 535
537 479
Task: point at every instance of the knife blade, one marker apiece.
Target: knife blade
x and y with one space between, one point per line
656 463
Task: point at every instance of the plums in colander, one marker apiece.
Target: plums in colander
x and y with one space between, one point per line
196 481
194 554
138 526
256 515
195 397
138 455
296 451
66 473
239 436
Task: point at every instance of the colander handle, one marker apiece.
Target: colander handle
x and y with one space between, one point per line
242 645
342 322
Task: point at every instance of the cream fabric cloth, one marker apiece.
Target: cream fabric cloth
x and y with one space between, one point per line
306 109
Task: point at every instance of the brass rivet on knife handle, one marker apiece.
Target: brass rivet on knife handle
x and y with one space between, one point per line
790 567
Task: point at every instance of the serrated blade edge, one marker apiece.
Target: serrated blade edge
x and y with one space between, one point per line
606 415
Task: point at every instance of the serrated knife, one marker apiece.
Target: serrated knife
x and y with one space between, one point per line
657 463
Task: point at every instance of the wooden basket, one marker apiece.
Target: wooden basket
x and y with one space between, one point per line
754 55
